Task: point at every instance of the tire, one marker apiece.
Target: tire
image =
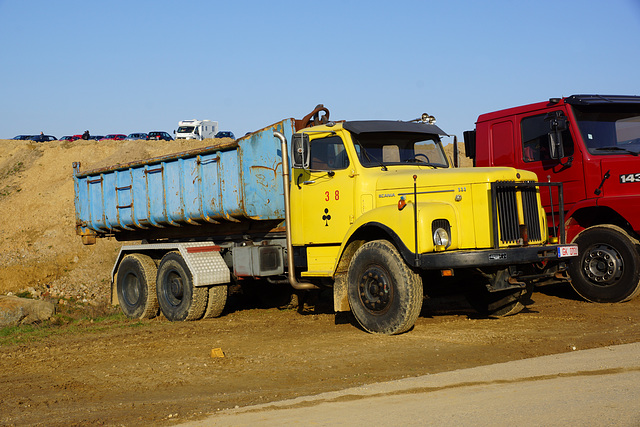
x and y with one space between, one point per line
607 268
496 304
177 297
216 301
384 294
136 287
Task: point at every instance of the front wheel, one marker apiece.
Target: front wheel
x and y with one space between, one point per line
607 268
496 304
385 295
178 298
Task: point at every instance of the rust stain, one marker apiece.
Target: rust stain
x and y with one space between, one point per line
274 169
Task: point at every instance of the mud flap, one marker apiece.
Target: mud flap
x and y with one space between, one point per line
340 294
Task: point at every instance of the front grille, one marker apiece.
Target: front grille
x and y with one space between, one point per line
517 219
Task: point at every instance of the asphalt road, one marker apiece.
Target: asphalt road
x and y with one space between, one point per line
598 387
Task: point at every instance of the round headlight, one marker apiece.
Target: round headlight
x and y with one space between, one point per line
441 237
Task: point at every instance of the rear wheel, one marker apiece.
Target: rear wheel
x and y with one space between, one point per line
607 268
216 301
385 295
136 287
177 297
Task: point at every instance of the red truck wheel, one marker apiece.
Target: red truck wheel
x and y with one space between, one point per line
136 287
385 295
177 297
607 268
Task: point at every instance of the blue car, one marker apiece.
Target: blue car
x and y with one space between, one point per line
42 138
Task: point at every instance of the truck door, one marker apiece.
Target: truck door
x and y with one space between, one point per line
535 156
322 197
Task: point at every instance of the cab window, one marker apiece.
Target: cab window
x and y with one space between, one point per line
535 139
328 154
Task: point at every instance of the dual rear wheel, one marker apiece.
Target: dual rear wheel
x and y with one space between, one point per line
143 289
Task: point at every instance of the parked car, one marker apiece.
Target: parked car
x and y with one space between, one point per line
225 134
96 137
136 136
114 136
21 137
160 135
43 138
68 138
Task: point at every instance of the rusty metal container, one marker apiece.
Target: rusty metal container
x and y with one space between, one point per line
217 190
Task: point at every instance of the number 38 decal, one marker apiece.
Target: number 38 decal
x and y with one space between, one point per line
327 195
629 177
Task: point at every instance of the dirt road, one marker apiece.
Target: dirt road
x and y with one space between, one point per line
137 373
594 387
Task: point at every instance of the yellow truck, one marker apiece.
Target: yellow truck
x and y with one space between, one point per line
371 209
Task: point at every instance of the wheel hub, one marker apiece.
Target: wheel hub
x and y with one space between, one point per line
131 291
602 265
375 290
175 288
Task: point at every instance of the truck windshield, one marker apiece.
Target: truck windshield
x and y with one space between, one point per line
609 129
185 129
399 148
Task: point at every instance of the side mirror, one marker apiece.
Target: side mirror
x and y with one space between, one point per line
300 150
556 148
557 125
470 143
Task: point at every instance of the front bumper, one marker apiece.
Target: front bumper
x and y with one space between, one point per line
493 257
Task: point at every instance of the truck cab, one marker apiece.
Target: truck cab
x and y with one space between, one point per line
590 143
375 205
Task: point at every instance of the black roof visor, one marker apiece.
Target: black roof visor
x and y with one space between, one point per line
602 99
366 126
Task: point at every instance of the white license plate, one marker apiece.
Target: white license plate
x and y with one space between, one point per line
567 251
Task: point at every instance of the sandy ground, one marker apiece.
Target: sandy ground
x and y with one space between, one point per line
157 372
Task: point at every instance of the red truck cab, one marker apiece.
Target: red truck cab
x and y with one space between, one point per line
590 143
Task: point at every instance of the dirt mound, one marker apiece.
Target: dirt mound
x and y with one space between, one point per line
38 244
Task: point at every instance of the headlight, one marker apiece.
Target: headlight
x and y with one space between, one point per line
441 237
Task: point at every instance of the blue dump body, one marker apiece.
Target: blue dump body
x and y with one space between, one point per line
237 184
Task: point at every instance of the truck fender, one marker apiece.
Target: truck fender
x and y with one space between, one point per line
400 223
573 224
588 213
395 225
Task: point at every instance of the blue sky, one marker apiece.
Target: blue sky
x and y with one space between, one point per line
136 66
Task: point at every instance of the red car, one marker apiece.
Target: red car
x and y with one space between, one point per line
114 136
68 138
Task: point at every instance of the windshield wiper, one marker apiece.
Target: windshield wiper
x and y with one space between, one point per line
612 148
369 158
